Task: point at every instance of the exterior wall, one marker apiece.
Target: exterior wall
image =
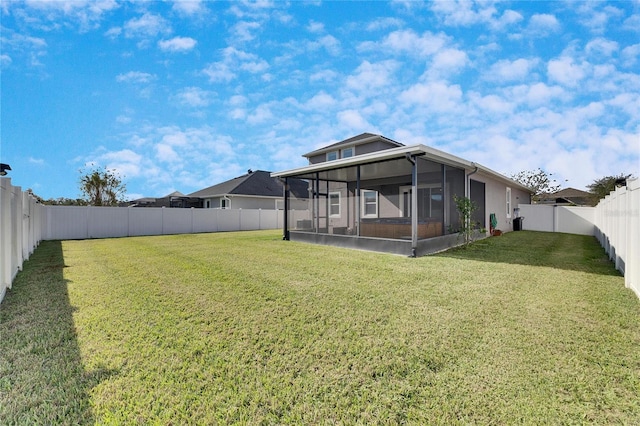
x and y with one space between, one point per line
263 203
364 148
496 201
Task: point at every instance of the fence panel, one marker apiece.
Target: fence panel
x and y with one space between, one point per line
546 218
618 230
107 222
205 220
20 227
72 222
67 223
145 221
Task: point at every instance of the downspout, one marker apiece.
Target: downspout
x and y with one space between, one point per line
414 204
468 182
285 185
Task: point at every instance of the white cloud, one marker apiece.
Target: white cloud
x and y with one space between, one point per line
507 71
189 7
219 72
147 25
261 114
234 60
372 77
597 15
435 96
565 71
384 23
195 97
177 44
51 15
135 77
601 46
539 94
543 24
449 60
244 31
324 75
409 42
464 13
353 120
630 54
315 27
321 101
5 60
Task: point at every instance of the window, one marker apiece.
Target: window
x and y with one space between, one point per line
369 203
207 204
334 204
333 155
429 201
508 203
225 203
347 152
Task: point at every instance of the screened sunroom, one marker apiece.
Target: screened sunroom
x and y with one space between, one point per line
399 200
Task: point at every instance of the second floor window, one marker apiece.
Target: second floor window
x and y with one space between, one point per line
333 155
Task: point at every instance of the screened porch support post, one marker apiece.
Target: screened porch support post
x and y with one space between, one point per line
316 196
414 203
286 209
358 212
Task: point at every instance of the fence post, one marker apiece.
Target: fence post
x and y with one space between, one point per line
5 235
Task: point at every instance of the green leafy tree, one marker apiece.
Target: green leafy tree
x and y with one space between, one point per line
465 208
102 187
539 181
600 188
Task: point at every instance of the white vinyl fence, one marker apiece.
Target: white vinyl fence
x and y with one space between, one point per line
617 225
546 218
615 222
74 223
20 232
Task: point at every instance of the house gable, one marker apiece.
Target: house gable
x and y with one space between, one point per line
364 143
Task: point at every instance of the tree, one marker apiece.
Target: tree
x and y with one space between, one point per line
539 181
465 208
102 187
600 188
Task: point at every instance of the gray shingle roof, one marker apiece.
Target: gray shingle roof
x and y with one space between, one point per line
352 141
258 183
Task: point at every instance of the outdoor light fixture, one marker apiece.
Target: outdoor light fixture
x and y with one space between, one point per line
3 169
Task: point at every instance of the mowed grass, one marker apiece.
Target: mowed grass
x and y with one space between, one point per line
243 328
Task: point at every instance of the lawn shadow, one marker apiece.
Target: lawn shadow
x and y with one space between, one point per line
42 378
547 249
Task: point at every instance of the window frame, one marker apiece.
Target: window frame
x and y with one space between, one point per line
330 154
363 203
508 202
351 149
331 204
225 203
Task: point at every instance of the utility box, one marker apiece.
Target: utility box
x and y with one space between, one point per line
517 223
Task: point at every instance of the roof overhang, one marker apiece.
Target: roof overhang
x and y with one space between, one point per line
308 172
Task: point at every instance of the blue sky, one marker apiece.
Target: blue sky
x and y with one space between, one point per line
184 95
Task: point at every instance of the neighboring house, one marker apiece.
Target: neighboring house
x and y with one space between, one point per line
568 197
175 199
254 190
371 192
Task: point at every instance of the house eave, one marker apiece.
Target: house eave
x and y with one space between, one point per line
393 153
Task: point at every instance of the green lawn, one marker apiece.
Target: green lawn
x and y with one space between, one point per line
243 328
